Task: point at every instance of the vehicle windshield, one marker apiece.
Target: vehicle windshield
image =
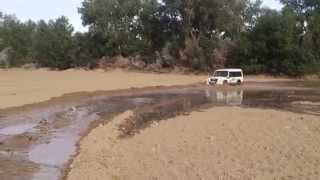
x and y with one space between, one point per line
221 74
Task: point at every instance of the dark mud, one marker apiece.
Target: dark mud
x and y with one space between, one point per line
37 142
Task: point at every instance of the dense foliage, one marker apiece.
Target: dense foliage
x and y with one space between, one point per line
285 42
197 34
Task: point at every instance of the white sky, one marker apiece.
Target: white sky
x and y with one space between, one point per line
275 4
52 9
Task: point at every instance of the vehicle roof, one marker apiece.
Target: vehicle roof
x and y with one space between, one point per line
230 70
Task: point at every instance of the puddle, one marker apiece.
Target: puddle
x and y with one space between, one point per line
55 153
231 98
46 138
17 129
47 173
284 100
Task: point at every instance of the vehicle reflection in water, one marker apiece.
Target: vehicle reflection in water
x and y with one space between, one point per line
230 98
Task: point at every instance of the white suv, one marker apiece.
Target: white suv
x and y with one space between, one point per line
226 76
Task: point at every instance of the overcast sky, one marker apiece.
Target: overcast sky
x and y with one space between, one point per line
51 9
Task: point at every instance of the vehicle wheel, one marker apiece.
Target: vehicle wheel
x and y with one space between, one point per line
239 83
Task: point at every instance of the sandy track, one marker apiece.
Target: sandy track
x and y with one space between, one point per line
19 87
219 143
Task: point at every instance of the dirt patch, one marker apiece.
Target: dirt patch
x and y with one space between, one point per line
12 169
219 143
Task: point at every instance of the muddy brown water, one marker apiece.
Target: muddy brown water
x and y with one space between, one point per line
38 143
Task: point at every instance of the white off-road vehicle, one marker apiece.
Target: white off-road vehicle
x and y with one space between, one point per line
226 76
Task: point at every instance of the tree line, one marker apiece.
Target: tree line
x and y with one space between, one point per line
198 34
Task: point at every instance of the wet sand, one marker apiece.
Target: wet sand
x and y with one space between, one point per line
228 143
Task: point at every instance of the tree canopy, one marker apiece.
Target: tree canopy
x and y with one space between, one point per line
197 34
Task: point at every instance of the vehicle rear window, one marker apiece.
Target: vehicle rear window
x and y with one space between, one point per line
235 74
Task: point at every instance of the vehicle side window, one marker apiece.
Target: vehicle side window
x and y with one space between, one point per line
221 74
235 74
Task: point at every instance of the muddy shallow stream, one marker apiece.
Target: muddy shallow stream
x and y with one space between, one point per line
38 142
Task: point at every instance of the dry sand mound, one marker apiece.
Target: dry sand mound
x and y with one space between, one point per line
219 143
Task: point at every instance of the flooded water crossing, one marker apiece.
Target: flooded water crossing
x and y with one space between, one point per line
38 143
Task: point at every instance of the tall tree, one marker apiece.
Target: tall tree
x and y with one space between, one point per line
114 19
18 36
308 12
53 43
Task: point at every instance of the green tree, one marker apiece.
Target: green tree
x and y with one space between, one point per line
17 36
86 51
273 45
115 20
252 12
202 27
146 27
309 22
53 44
